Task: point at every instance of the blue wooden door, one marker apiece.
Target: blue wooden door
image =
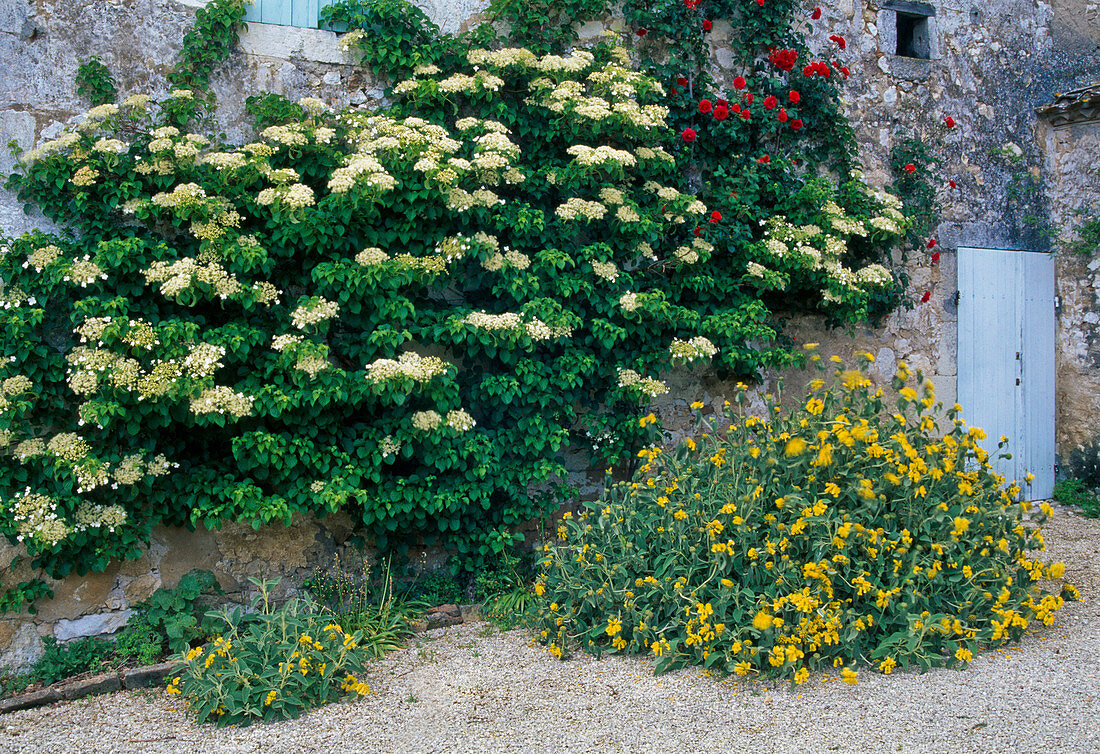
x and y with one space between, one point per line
1006 358
285 12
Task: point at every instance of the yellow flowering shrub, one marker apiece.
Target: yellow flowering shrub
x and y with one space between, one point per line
274 663
861 528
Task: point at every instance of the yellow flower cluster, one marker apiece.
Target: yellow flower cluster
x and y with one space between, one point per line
769 545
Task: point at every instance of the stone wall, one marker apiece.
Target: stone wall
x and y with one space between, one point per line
990 65
1072 152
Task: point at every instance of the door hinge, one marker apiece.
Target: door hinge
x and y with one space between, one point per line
958 295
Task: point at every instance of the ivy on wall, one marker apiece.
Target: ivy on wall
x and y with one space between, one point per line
410 315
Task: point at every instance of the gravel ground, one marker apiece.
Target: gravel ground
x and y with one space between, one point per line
470 688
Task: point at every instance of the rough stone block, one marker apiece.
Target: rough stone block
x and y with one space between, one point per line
287 42
91 625
24 648
29 700
151 675
14 126
104 683
471 613
76 597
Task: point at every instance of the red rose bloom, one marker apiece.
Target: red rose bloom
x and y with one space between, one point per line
782 117
705 106
707 25
925 296
760 3
822 69
698 231
749 97
844 69
721 103
809 70
794 97
931 243
681 81
735 107
721 112
952 184
935 257
716 216
641 32
765 160
746 113
691 3
796 124
770 102
739 82
672 90
784 60
688 135
910 168
839 40
949 122
816 14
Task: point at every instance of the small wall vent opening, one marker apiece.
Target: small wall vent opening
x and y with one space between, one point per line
908 29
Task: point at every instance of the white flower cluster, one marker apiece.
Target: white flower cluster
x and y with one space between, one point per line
696 348
481 81
601 156
389 446
178 276
221 400
408 365
885 224
874 274
68 446
16 385
67 140
313 311
294 195
578 61
290 135
513 322
109 146
184 195
654 154
203 360
313 106
756 270
35 517
371 256
361 167
426 421
508 57
575 208
645 385
460 421
606 270
92 516
84 271
629 302
42 257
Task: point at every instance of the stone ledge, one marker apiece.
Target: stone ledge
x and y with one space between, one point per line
103 683
292 42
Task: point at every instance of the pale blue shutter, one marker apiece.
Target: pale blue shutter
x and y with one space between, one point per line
1006 357
302 13
1036 281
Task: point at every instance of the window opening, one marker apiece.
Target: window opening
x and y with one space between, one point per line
914 40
